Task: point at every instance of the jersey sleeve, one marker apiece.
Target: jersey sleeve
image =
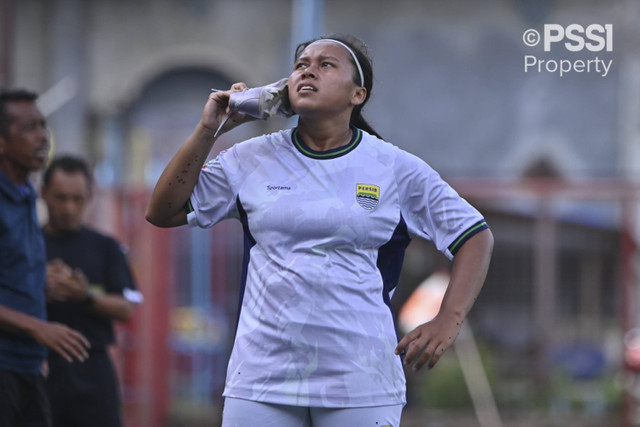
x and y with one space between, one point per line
432 209
213 198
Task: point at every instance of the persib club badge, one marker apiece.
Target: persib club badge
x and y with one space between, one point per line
367 196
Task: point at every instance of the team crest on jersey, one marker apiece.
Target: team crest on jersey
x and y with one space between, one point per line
367 196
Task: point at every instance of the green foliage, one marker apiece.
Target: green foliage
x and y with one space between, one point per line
593 397
444 386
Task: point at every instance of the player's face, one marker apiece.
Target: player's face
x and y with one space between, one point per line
27 146
66 197
322 81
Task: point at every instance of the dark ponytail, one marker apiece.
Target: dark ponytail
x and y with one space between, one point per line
360 49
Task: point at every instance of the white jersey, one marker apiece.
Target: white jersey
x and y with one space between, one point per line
325 234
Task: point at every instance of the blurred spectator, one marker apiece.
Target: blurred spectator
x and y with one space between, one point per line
89 284
24 333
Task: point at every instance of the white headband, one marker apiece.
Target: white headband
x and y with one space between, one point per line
353 55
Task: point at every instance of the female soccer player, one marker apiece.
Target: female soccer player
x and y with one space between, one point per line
328 209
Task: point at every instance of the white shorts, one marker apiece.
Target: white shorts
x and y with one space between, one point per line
248 413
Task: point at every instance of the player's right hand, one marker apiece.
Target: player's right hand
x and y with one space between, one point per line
216 111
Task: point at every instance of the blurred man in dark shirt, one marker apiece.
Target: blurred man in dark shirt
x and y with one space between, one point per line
89 285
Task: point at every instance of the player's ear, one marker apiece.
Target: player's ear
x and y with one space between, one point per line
359 96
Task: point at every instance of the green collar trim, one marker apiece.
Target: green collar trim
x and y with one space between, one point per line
329 154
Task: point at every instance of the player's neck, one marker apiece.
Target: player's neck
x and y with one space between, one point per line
324 135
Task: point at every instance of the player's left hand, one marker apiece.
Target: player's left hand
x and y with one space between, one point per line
427 342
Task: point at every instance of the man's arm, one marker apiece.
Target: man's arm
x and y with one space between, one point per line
68 343
113 306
